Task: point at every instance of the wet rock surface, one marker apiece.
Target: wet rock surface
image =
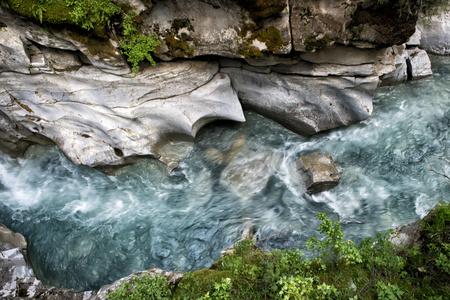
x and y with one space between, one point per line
318 172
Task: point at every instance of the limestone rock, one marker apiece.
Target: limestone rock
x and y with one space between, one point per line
33 32
318 172
419 63
408 235
171 276
400 74
224 28
61 60
102 119
13 56
12 239
304 104
434 34
414 40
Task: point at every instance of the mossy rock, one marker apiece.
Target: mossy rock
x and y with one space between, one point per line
312 43
53 13
262 9
178 47
272 38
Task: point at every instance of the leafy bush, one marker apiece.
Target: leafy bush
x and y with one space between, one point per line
136 46
143 288
333 249
89 13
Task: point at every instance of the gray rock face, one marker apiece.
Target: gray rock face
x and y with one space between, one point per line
305 105
318 172
400 74
434 35
98 119
418 63
195 28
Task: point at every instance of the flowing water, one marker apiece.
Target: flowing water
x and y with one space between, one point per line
86 229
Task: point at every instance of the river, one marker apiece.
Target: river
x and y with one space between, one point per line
86 228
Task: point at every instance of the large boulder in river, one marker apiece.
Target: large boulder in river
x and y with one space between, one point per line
318 172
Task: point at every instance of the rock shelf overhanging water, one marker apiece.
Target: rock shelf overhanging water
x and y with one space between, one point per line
86 229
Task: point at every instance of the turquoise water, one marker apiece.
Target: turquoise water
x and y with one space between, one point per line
86 229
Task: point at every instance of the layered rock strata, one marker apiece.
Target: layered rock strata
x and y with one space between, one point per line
58 86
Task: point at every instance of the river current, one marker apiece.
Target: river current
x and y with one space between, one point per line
86 229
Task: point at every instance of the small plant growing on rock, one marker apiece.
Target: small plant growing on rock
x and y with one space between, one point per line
136 46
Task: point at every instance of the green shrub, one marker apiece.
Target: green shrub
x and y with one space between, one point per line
143 288
333 249
136 46
89 13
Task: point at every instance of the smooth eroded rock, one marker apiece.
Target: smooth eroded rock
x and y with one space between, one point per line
419 64
318 172
305 104
435 37
102 119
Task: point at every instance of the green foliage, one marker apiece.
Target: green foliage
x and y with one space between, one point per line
221 290
38 9
333 249
90 13
381 255
340 270
136 46
389 291
143 288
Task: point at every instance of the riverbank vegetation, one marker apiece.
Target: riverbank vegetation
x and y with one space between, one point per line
338 269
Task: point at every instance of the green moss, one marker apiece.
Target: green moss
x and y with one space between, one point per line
197 284
313 44
249 51
92 15
262 9
272 37
53 12
178 24
178 47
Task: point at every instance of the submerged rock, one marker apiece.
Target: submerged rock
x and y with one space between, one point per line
249 172
318 172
